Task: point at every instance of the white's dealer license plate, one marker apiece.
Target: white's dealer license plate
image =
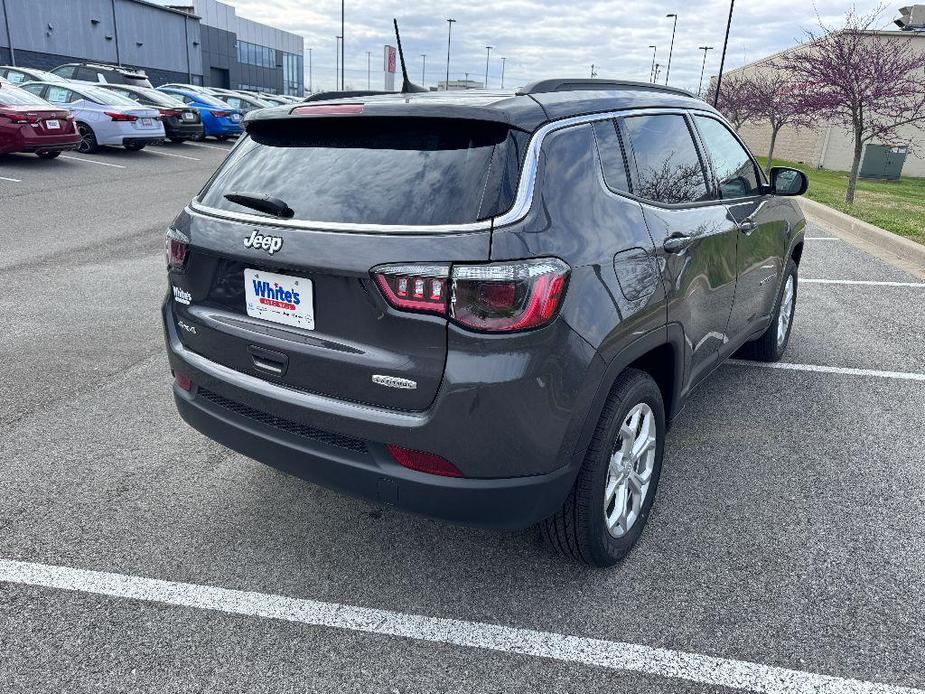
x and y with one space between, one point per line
52 124
279 298
187 115
146 123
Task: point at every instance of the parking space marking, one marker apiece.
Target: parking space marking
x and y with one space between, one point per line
821 238
171 154
867 283
200 144
614 655
12 180
789 366
91 161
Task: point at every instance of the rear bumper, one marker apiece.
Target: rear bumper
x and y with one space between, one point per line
517 454
28 141
187 130
221 127
142 140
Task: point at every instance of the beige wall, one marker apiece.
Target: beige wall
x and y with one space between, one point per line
824 145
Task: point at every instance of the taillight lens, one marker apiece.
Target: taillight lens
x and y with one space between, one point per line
177 247
169 113
499 297
422 461
221 114
183 381
116 116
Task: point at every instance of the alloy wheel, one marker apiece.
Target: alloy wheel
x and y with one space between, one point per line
785 315
630 470
86 139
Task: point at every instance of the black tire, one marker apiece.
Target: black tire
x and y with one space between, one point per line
48 155
770 346
88 143
578 530
134 146
178 140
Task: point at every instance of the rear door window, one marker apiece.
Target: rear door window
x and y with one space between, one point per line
668 166
398 171
65 71
60 95
613 156
16 77
734 168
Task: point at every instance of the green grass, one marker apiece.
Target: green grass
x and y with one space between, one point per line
897 206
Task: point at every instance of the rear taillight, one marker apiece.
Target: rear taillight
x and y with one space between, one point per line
116 116
221 114
499 297
169 113
183 382
422 461
176 246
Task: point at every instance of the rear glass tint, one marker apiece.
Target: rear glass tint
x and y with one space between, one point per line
411 171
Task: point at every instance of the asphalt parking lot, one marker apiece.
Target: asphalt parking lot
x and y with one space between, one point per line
786 550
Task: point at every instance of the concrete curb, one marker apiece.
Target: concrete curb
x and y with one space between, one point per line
893 248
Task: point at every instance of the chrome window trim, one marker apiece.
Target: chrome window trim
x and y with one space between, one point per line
523 200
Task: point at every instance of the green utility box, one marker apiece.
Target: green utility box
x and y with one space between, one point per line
883 162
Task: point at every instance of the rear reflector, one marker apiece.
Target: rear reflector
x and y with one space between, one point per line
183 381
422 461
176 246
327 110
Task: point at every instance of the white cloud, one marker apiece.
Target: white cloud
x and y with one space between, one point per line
544 38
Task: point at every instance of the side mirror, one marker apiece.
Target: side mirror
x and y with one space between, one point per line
787 181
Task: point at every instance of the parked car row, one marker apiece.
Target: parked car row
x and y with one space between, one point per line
85 106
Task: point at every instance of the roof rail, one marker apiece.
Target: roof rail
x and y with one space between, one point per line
577 84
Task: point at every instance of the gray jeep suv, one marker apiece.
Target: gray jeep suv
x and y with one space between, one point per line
479 306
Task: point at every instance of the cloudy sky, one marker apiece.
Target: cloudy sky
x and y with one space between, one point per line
545 38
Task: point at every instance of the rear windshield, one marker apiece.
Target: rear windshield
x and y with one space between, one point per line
104 96
160 98
11 96
397 171
208 100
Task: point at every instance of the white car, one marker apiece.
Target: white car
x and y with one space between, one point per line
103 117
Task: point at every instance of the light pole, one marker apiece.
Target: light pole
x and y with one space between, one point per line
368 68
337 62
423 69
449 38
487 58
704 66
658 67
342 65
652 69
722 61
310 71
671 50
593 71
502 72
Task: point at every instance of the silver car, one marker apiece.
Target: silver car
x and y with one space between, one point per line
103 117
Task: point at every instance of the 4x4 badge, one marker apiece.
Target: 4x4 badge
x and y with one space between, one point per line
270 244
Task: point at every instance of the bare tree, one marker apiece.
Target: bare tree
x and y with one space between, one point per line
774 95
734 100
871 83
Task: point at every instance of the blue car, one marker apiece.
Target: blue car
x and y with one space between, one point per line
219 120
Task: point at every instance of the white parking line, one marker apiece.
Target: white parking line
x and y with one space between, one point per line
867 283
12 180
200 144
821 238
615 655
171 154
91 161
787 366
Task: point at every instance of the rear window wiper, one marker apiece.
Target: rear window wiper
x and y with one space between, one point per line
262 202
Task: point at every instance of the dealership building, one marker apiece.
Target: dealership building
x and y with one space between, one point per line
196 41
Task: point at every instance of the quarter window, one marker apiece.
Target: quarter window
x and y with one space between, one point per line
668 167
734 168
613 157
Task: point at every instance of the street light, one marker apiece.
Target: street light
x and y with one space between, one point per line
703 67
423 68
342 58
449 38
502 72
722 61
310 90
337 62
658 67
652 69
487 58
670 50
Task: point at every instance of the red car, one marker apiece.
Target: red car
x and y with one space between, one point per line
31 124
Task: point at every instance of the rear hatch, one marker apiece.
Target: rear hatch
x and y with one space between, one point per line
362 192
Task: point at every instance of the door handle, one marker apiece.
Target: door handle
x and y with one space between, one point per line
677 243
747 225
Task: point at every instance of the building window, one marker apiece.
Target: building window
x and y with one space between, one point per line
252 54
292 74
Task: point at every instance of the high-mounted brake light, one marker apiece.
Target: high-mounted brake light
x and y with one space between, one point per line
498 297
176 246
327 110
116 116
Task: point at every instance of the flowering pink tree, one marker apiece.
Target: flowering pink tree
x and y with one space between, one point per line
871 83
734 100
774 96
